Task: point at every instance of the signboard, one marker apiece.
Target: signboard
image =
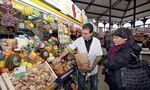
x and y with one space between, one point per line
55 3
48 7
67 7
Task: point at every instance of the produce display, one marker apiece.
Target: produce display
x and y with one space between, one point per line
6 45
12 61
8 19
61 68
37 78
27 11
28 24
49 19
27 57
2 63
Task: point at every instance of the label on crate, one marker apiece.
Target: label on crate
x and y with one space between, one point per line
20 71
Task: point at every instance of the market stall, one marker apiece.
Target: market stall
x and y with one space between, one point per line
32 37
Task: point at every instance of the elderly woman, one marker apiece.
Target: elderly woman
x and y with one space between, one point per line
119 56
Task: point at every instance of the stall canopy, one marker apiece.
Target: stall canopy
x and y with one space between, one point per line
122 10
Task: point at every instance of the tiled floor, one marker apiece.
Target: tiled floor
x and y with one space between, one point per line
101 84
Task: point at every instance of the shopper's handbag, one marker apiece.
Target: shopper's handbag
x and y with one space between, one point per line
136 76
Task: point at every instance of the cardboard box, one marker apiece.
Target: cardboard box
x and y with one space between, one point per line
7 81
2 84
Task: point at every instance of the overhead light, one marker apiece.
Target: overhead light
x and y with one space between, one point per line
141 18
93 20
129 21
83 11
148 17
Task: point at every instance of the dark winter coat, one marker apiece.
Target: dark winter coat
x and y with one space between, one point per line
121 59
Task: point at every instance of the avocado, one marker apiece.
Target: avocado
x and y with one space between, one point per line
12 61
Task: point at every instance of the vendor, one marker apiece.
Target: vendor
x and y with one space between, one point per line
90 45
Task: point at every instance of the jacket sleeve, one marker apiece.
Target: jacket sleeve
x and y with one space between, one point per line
120 60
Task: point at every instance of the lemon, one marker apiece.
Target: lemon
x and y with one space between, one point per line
2 64
29 65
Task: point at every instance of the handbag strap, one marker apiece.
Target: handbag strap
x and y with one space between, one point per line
135 59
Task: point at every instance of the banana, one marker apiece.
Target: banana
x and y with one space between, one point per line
49 19
28 11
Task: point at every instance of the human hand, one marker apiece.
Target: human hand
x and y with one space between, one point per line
89 67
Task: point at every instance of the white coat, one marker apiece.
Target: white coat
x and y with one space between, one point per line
95 50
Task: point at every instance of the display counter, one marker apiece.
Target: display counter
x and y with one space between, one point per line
145 55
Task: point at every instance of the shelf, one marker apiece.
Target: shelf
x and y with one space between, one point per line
145 52
7 36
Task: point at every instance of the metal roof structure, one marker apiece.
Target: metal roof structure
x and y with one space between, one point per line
121 10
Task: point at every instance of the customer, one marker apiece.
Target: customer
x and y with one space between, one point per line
119 56
91 45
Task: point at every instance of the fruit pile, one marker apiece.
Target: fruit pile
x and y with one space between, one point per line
28 11
8 19
36 79
60 68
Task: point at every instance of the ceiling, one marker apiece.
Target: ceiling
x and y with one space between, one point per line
122 10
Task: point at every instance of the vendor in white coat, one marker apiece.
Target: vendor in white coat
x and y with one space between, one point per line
91 45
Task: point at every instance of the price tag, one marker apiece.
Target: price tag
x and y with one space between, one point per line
32 55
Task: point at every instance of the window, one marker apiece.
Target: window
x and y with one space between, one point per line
115 26
100 27
139 23
127 25
147 23
100 24
107 27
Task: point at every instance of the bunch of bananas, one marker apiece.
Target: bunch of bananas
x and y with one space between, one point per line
49 19
28 24
28 11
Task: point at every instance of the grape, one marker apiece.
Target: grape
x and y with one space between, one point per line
40 27
8 20
8 8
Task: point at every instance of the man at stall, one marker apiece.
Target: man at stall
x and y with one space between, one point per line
92 46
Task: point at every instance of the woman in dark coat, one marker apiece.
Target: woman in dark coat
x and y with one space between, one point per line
119 56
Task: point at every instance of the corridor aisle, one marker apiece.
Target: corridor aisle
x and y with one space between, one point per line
101 84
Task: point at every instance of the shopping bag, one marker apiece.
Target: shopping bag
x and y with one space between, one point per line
82 61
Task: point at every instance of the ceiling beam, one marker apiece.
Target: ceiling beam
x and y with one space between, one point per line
99 5
139 5
115 4
125 11
102 14
138 13
89 5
